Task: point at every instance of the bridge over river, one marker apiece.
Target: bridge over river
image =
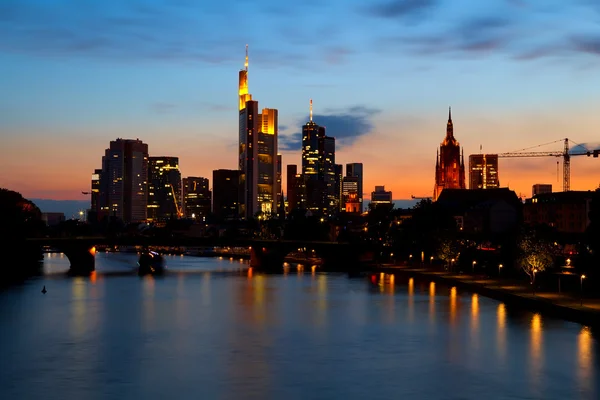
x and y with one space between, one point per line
265 254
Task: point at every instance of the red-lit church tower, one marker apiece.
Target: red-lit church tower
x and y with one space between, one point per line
449 164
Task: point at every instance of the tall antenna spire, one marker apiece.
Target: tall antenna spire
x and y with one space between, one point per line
246 63
310 110
449 113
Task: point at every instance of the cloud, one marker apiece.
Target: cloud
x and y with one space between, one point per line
535 31
346 126
589 44
401 8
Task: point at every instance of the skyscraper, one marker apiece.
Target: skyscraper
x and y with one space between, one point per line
318 160
483 171
356 170
164 189
449 163
292 195
226 193
257 153
124 180
339 176
196 198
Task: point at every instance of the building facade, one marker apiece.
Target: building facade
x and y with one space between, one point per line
350 189
483 171
381 198
339 176
197 198
355 170
164 189
450 163
567 212
226 194
123 182
541 188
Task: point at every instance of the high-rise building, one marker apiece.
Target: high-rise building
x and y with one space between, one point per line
292 194
381 197
356 170
226 193
257 153
279 174
449 163
339 176
97 192
541 188
318 160
124 180
164 189
196 198
483 171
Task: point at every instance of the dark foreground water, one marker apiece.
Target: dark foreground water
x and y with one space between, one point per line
212 330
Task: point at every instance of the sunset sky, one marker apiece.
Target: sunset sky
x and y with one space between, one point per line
76 74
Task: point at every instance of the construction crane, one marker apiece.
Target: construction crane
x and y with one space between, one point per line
565 154
177 208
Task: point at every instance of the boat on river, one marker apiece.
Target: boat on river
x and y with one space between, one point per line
151 263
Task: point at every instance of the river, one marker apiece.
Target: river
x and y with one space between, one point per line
212 329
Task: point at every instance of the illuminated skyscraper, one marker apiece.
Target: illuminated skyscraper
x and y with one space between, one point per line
483 171
318 167
164 189
124 180
449 163
257 153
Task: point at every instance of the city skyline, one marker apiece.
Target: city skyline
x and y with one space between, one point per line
69 90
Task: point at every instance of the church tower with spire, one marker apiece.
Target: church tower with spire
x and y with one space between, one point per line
449 163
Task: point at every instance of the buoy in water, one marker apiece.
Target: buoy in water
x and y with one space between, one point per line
44 289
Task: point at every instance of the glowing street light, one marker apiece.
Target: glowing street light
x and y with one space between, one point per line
533 282
499 268
581 290
473 266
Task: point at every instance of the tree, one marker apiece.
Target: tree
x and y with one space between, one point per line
449 248
535 253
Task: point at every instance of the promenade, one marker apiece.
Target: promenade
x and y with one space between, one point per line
565 305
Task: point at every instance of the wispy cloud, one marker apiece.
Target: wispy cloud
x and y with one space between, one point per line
401 8
345 125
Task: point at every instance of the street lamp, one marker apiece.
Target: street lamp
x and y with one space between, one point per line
431 260
473 266
533 282
499 268
581 290
451 262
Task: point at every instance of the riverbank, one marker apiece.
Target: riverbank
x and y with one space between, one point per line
513 292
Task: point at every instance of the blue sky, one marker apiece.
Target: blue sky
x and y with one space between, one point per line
79 73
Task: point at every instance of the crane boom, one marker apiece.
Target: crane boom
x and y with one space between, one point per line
565 154
179 213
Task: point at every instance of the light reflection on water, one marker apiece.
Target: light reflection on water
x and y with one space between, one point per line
215 329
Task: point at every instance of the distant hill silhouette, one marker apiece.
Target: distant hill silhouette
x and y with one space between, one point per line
70 208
